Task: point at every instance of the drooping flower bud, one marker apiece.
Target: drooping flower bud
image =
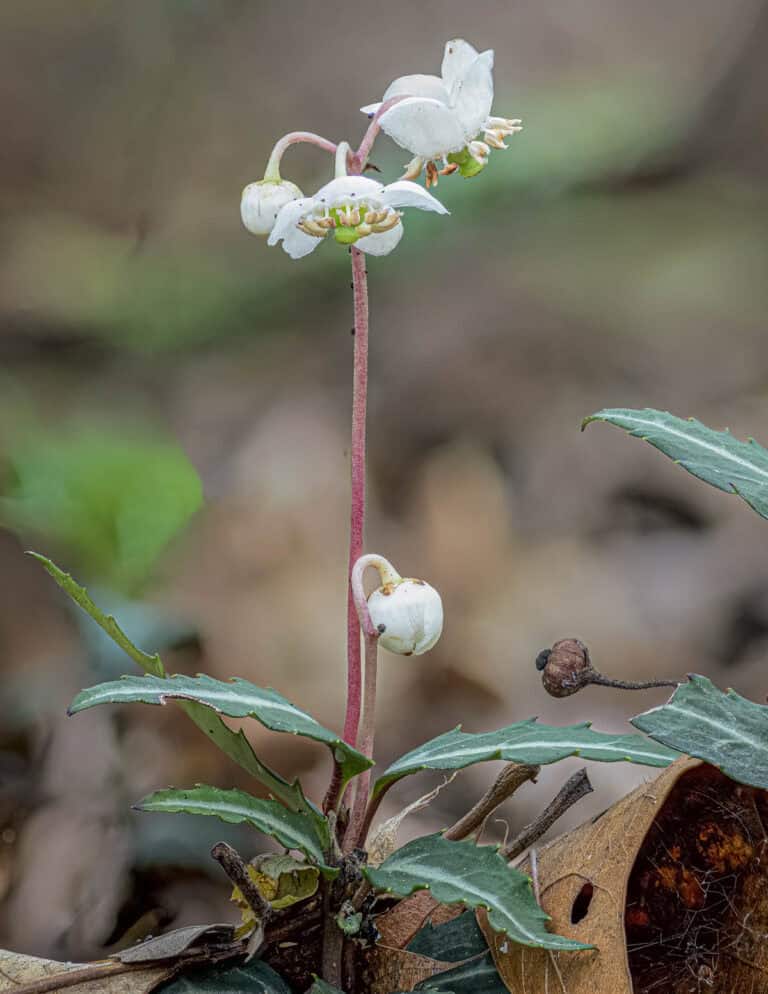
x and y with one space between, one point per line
261 203
409 615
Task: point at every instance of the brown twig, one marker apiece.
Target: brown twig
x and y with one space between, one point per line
235 868
98 971
363 890
572 791
513 776
71 977
285 926
333 941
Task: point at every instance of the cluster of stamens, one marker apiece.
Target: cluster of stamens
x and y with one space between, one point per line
414 167
365 221
432 172
318 227
481 150
498 128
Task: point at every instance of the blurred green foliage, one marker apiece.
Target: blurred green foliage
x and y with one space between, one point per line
113 498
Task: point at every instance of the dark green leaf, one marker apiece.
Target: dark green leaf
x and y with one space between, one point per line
239 749
715 457
724 729
292 830
477 876
150 664
478 976
233 744
524 742
451 942
235 698
253 978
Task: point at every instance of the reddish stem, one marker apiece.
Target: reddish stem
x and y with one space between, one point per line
294 138
357 515
354 834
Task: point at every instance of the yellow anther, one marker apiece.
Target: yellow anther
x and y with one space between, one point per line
390 222
493 138
413 169
479 151
504 125
373 217
311 227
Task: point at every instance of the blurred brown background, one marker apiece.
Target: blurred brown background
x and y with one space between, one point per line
616 255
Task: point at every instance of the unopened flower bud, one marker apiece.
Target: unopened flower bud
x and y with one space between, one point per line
408 614
261 203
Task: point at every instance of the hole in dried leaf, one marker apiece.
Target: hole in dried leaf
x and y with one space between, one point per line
581 903
697 900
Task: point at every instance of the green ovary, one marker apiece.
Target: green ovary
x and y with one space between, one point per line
346 236
468 165
343 233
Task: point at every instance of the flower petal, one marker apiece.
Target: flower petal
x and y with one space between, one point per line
381 243
288 217
404 193
425 127
297 243
348 188
472 95
418 85
457 58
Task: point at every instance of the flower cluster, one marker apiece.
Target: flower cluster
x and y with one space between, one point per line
444 121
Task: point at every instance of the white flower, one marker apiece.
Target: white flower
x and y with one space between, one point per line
409 615
261 203
356 210
441 116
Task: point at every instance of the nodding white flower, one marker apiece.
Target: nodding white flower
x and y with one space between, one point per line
408 614
261 203
356 210
440 117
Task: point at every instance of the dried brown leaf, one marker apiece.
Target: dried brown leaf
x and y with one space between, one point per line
27 974
681 856
393 969
172 944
